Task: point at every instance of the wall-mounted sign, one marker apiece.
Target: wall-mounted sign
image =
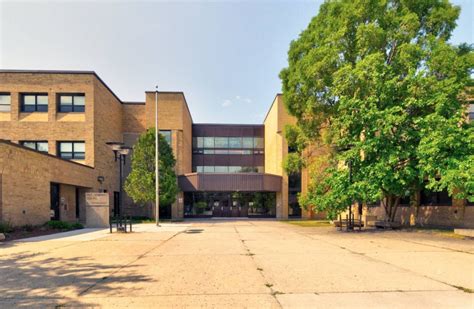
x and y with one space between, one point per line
97 199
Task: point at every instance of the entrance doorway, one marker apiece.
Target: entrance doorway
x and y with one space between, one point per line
54 196
229 204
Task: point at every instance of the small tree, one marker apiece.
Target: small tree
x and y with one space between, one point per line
140 183
382 80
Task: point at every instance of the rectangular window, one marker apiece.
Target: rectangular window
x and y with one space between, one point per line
36 145
471 111
430 198
199 169
74 103
235 142
258 142
208 142
235 169
208 169
5 102
221 142
221 169
247 142
34 103
72 150
167 135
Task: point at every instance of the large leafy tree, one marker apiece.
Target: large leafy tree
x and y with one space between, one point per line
140 183
380 79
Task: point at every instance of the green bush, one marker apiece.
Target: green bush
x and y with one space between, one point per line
5 227
77 226
60 225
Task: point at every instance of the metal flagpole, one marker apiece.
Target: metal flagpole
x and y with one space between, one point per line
157 178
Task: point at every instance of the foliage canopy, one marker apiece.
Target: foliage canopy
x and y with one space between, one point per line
382 80
140 183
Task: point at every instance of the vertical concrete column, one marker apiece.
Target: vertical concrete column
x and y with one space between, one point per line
177 209
282 203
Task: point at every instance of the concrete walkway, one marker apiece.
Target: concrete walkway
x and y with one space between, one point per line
259 264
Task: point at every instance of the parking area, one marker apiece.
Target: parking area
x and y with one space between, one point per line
238 263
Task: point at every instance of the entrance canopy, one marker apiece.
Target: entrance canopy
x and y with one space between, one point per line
236 182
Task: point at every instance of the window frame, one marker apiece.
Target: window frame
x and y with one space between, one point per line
23 142
36 95
167 133
9 104
73 105
73 153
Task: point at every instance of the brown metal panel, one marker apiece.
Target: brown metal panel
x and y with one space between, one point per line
245 182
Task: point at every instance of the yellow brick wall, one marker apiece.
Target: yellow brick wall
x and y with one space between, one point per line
25 184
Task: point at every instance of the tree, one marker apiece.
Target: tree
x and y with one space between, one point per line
140 183
379 78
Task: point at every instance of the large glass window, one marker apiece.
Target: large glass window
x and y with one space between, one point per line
34 103
72 150
235 142
36 145
228 169
208 142
167 135
221 142
247 142
221 169
72 103
5 102
258 142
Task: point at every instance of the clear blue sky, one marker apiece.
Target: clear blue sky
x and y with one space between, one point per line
224 55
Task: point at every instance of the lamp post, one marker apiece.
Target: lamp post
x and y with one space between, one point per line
120 153
157 157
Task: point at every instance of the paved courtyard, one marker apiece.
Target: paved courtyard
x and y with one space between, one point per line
261 264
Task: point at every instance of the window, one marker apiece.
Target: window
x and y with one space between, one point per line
36 145
429 198
72 103
221 142
404 201
72 150
167 135
208 142
5 102
221 169
208 169
235 142
247 142
258 142
471 111
34 103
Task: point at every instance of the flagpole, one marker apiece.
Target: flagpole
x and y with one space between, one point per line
157 178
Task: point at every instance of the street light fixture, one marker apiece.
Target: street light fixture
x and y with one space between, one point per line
120 153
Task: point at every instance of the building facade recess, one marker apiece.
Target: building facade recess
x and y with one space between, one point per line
55 126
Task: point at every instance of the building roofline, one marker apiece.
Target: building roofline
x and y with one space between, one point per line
133 103
78 72
270 108
2 141
230 124
176 92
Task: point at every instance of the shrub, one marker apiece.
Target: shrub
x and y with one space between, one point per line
5 227
77 226
60 225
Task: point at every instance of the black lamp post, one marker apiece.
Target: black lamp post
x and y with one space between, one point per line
120 153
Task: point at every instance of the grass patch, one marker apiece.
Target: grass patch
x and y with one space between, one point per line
443 232
311 223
